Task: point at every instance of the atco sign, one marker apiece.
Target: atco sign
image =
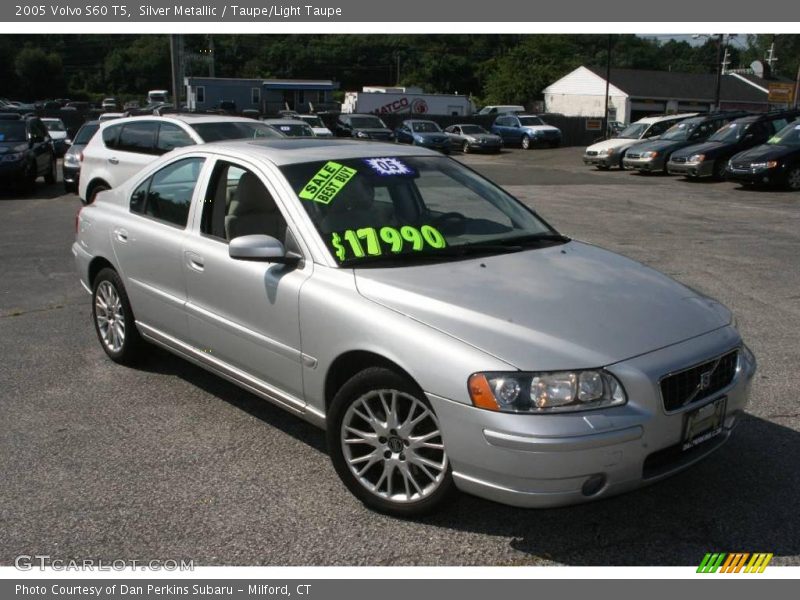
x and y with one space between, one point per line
418 106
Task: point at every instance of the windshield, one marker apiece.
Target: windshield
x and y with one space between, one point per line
12 131
425 127
395 210
85 133
313 121
233 130
633 131
681 131
529 121
472 129
55 125
298 129
788 136
731 132
367 123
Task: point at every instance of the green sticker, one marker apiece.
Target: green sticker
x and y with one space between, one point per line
370 241
328 182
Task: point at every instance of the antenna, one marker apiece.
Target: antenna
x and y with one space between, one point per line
771 56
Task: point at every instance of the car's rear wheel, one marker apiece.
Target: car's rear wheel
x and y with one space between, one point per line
386 444
526 142
51 175
793 178
113 318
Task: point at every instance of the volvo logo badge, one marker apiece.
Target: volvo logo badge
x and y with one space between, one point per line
705 380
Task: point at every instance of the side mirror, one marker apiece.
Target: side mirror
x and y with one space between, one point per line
263 248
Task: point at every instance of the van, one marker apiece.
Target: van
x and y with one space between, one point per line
154 96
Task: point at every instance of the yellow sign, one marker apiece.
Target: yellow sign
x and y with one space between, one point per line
780 93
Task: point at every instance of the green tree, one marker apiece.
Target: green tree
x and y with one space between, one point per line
40 75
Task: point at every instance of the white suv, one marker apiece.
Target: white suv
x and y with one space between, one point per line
609 153
123 146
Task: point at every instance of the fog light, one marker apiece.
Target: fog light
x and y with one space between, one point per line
593 485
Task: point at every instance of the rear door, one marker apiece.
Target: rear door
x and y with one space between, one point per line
148 244
135 148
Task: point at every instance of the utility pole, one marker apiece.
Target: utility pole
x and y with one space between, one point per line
797 87
608 84
719 71
175 55
397 57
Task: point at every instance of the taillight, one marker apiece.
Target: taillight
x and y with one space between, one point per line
80 157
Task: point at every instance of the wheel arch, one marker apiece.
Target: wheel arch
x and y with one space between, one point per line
348 364
94 183
97 264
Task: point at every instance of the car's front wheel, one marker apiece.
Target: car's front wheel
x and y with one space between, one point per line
113 318
465 148
386 444
526 142
793 178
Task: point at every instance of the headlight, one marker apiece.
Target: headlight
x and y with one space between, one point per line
770 164
68 142
649 154
71 160
419 139
536 393
13 156
362 134
605 152
696 158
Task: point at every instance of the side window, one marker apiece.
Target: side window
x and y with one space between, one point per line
167 195
659 128
138 137
237 203
200 94
111 136
758 130
779 124
171 136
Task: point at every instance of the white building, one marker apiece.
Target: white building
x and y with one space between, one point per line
636 93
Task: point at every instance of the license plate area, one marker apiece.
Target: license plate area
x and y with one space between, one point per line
703 423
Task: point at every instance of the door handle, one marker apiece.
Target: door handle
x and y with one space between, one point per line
113 161
195 261
121 234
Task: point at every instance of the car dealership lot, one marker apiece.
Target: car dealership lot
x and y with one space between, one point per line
168 461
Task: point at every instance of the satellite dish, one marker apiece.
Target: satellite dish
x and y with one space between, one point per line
760 69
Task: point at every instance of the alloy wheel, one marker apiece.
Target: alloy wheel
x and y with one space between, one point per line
392 444
793 179
110 316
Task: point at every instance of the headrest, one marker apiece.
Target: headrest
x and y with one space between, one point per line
357 194
252 196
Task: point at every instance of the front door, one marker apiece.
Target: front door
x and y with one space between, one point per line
244 313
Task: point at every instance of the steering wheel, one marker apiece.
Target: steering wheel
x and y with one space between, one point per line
453 223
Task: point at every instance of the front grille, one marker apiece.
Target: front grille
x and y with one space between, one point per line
591 153
679 159
742 166
684 387
633 155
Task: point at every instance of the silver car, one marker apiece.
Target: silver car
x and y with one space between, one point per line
443 334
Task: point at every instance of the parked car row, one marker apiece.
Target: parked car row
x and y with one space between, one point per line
749 148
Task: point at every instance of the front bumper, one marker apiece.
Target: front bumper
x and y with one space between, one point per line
646 165
12 170
701 169
755 176
440 146
562 459
605 160
71 176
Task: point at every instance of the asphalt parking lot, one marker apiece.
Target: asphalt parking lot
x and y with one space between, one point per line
167 461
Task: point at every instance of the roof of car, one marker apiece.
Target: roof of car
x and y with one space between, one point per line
659 118
284 121
188 119
287 151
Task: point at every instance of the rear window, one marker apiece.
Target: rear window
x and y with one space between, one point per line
12 131
234 130
111 136
138 137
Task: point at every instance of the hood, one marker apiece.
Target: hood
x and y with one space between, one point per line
489 137
10 147
569 306
545 128
707 148
431 135
614 143
372 130
764 152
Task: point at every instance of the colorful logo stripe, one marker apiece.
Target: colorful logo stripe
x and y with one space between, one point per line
734 562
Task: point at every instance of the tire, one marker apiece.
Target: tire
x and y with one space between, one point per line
51 176
94 190
718 173
465 148
526 142
793 178
113 319
369 434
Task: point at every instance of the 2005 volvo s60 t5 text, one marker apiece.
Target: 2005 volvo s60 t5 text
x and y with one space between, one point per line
443 334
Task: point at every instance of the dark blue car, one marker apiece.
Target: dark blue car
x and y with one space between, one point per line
423 133
526 131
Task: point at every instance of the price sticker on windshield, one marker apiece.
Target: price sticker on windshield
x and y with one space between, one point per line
371 241
388 166
327 182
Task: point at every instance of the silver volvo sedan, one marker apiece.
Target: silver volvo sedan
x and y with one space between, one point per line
441 332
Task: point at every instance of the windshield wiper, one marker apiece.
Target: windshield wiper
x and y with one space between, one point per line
536 239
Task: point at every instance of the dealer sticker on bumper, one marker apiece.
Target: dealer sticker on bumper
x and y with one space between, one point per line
703 423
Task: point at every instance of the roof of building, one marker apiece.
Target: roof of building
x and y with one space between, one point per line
643 83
